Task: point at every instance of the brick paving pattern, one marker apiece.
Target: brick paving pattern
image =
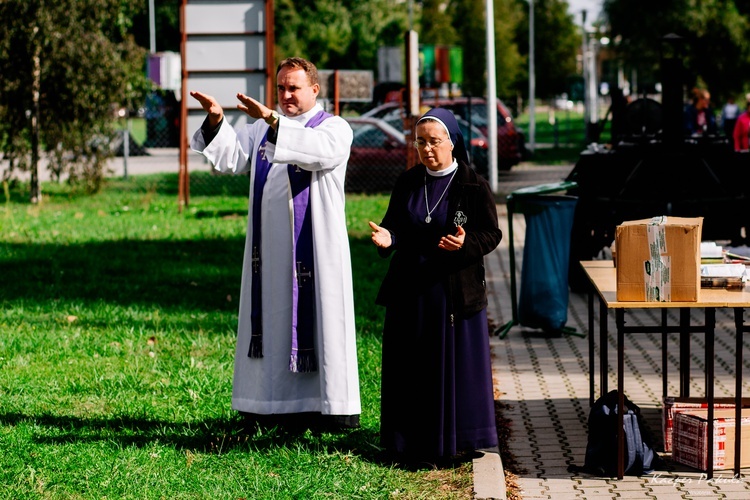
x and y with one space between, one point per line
545 383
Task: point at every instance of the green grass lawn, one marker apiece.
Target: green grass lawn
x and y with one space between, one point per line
117 333
137 128
560 136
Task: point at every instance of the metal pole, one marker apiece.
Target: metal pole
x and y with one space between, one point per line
584 72
532 81
270 56
491 96
412 95
593 91
151 26
336 90
183 190
411 15
125 149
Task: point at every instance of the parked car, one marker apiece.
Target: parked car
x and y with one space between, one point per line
392 113
510 140
379 153
478 147
377 158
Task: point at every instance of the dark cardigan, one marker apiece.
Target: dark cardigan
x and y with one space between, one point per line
462 271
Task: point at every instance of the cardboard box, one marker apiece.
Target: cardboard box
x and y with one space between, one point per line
690 439
674 405
658 260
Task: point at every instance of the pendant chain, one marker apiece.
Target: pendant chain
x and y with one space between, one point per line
426 204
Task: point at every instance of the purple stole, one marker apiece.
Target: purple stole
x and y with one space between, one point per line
262 167
302 358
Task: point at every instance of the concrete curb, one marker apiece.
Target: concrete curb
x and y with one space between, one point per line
489 477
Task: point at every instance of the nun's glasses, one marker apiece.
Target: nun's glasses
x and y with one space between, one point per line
422 144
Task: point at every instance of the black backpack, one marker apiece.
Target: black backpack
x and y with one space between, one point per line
601 449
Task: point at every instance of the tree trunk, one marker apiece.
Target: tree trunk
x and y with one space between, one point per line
35 192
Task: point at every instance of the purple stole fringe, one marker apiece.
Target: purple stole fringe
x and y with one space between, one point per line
302 358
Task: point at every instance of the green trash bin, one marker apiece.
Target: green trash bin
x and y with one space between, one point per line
536 209
543 300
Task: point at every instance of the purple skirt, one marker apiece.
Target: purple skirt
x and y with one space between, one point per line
436 390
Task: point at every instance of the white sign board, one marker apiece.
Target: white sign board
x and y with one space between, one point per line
209 17
225 53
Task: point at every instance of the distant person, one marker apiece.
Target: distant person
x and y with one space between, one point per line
700 119
296 358
729 114
742 130
437 392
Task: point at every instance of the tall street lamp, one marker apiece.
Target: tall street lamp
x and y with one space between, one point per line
584 73
151 26
532 82
491 95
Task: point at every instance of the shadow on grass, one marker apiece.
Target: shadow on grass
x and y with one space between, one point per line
206 436
201 184
220 214
195 274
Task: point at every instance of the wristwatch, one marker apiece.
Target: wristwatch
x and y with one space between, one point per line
272 119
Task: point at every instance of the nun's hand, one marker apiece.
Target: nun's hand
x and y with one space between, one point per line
380 236
451 242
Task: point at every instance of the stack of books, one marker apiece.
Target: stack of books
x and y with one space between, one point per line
711 253
736 258
723 275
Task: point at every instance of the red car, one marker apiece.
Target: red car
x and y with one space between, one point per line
393 115
510 140
377 158
379 151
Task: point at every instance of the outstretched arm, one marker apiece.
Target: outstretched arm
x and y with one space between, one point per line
255 109
226 148
210 106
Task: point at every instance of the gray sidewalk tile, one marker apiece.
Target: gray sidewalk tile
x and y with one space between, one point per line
545 383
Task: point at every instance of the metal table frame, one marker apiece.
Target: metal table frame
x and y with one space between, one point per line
603 279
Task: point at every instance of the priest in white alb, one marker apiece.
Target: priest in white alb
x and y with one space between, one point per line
296 347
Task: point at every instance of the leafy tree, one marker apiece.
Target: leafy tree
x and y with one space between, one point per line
288 23
714 39
375 23
338 34
509 60
327 31
166 25
71 65
556 43
469 21
436 27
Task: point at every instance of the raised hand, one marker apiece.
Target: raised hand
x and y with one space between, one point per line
252 107
210 106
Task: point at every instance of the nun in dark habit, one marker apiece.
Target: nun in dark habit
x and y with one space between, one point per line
436 392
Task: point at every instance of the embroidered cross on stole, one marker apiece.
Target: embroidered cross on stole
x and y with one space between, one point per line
302 357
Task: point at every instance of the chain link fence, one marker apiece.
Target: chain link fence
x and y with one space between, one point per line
378 156
148 143
381 150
